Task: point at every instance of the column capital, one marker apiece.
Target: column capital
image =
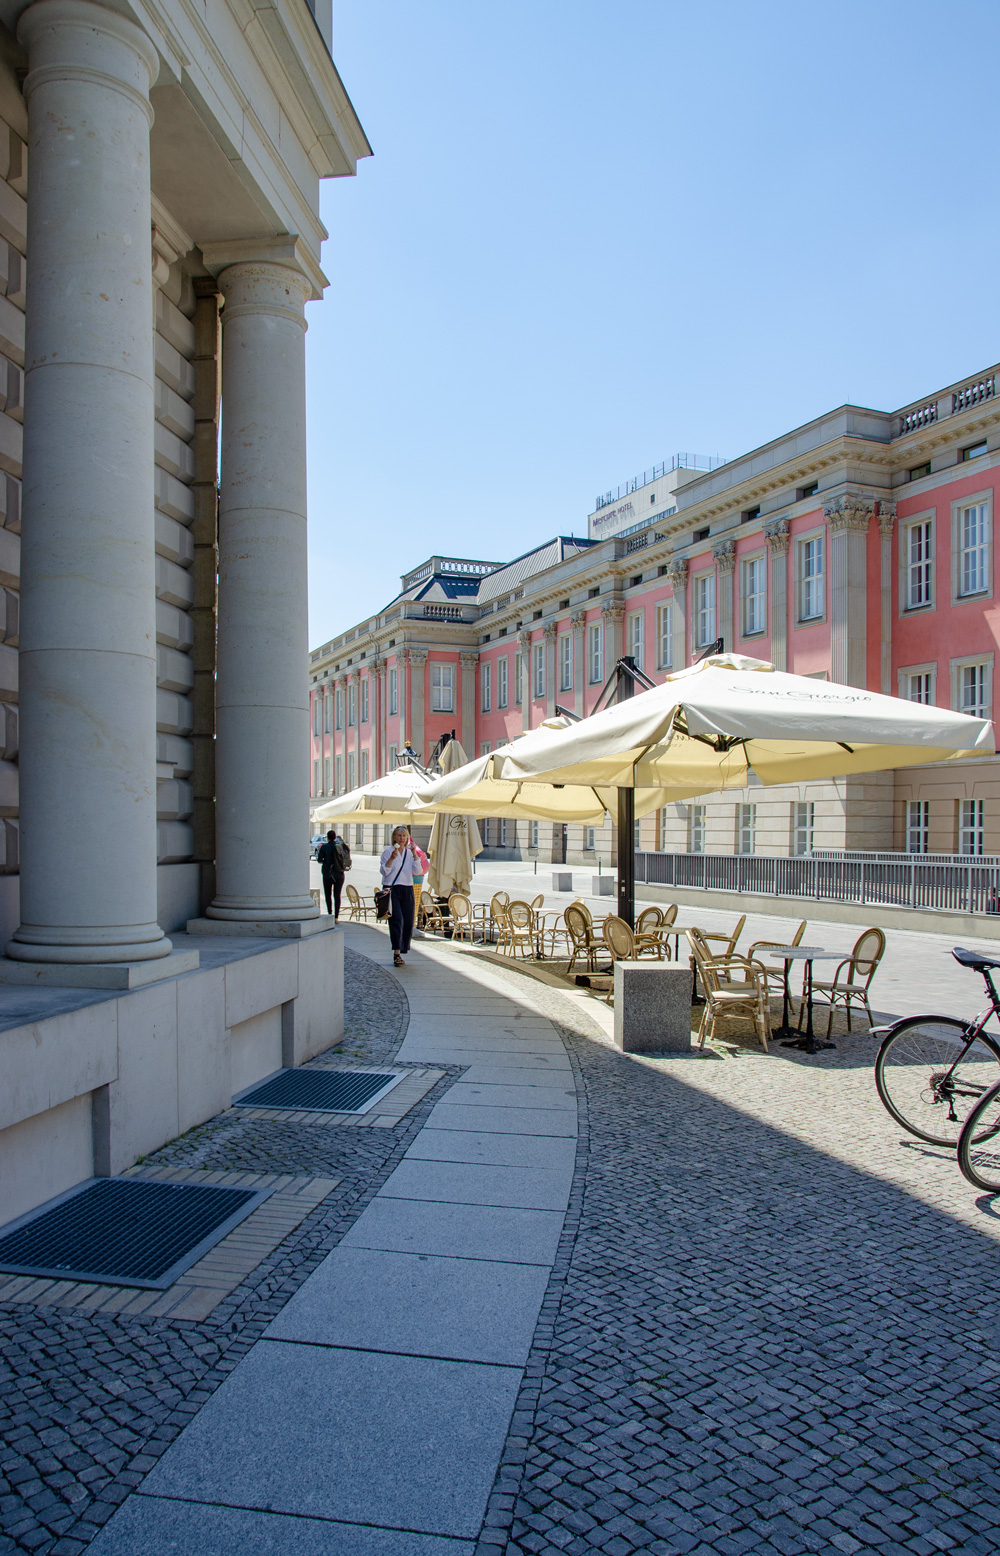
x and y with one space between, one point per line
259 287
777 537
287 251
725 555
417 657
677 572
886 517
550 631
524 641
468 661
613 610
849 512
578 621
354 675
74 40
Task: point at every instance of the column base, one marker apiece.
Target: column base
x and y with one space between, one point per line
97 975
265 929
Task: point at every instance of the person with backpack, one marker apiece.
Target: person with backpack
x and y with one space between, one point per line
334 859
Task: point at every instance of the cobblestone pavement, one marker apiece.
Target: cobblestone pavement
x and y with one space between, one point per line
87 1404
770 1327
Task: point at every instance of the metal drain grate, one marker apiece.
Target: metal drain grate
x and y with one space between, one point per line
320 1091
124 1231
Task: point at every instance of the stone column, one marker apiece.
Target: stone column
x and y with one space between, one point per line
88 632
205 534
354 679
550 633
469 662
376 715
417 680
886 525
578 621
725 560
262 749
776 535
524 648
613 615
847 520
677 572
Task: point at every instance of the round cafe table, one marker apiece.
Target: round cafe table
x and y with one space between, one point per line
793 1037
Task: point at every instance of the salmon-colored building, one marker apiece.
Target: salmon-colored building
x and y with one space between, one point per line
858 547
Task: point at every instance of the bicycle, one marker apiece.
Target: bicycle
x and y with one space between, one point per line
934 1072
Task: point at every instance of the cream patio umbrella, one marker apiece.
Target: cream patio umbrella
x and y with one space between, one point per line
384 799
454 839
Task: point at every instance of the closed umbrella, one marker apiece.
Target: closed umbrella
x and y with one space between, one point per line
454 838
384 799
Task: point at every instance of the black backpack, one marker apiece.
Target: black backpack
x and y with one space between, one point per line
343 854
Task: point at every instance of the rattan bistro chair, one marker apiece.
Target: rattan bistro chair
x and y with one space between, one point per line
582 940
358 909
734 987
463 925
852 979
520 929
651 934
620 944
760 948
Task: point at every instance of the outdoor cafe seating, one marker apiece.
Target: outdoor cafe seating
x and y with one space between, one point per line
734 987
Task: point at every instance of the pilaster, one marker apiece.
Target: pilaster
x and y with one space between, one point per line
469 663
207 366
848 519
677 572
613 615
886 526
524 648
550 633
725 560
578 621
778 540
417 658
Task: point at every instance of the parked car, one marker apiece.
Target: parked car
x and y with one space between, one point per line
314 843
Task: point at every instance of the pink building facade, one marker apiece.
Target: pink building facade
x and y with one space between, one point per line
857 548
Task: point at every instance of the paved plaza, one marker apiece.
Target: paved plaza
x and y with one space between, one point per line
558 1300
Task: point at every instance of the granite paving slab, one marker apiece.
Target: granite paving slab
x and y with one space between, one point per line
417 1304
160 1526
466 1050
461 1231
469 1145
514 1121
518 1072
462 1183
498 1094
358 1436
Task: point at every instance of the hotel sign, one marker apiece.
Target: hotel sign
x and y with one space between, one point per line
607 520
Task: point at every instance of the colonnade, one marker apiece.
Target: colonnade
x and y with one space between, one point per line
88 638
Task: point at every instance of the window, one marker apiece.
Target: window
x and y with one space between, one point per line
637 638
746 517
803 823
538 651
517 679
704 610
352 705
919 686
746 827
502 682
754 595
970 826
350 771
974 451
919 471
316 715
442 687
485 748
696 829
327 775
532 834
316 777
338 718
589 840
502 833
918 820
390 766
664 637
918 540
364 767
486 685
595 640
807 491
340 774
974 689
974 549
811 596
637 837
566 662
393 692
703 533
364 700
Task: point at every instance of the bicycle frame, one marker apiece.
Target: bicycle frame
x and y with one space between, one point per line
943 1084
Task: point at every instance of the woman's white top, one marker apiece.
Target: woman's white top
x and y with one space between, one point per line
396 871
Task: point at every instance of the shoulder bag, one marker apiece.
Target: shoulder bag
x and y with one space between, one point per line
383 897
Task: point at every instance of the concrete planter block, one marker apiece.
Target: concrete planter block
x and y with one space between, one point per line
652 1008
562 880
602 885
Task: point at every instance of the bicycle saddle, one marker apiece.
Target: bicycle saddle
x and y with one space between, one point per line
975 959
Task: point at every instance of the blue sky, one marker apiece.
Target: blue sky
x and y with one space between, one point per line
594 234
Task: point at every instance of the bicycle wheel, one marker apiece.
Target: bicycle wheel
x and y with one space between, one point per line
979 1143
923 1081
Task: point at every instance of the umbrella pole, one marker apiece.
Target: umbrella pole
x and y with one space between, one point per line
626 810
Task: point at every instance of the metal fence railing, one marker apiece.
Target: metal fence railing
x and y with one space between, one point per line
948 883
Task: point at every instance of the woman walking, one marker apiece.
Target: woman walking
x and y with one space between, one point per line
397 866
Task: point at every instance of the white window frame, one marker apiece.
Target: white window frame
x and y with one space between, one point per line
339 771
803 828
365 703
697 819
365 768
590 840
316 788
390 766
595 653
486 685
485 748
442 686
518 682
338 708
637 638
502 680
971 818
393 692
960 684
982 582
746 829
566 662
926 674
327 774
538 669
317 715
665 635
532 834
917 570
352 705
809 585
918 826
754 599
350 772
704 609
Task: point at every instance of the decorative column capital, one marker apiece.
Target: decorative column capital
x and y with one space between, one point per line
725 555
886 517
354 675
578 621
849 512
613 610
524 641
285 252
468 661
417 657
261 287
550 631
777 537
59 35
677 572
376 665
